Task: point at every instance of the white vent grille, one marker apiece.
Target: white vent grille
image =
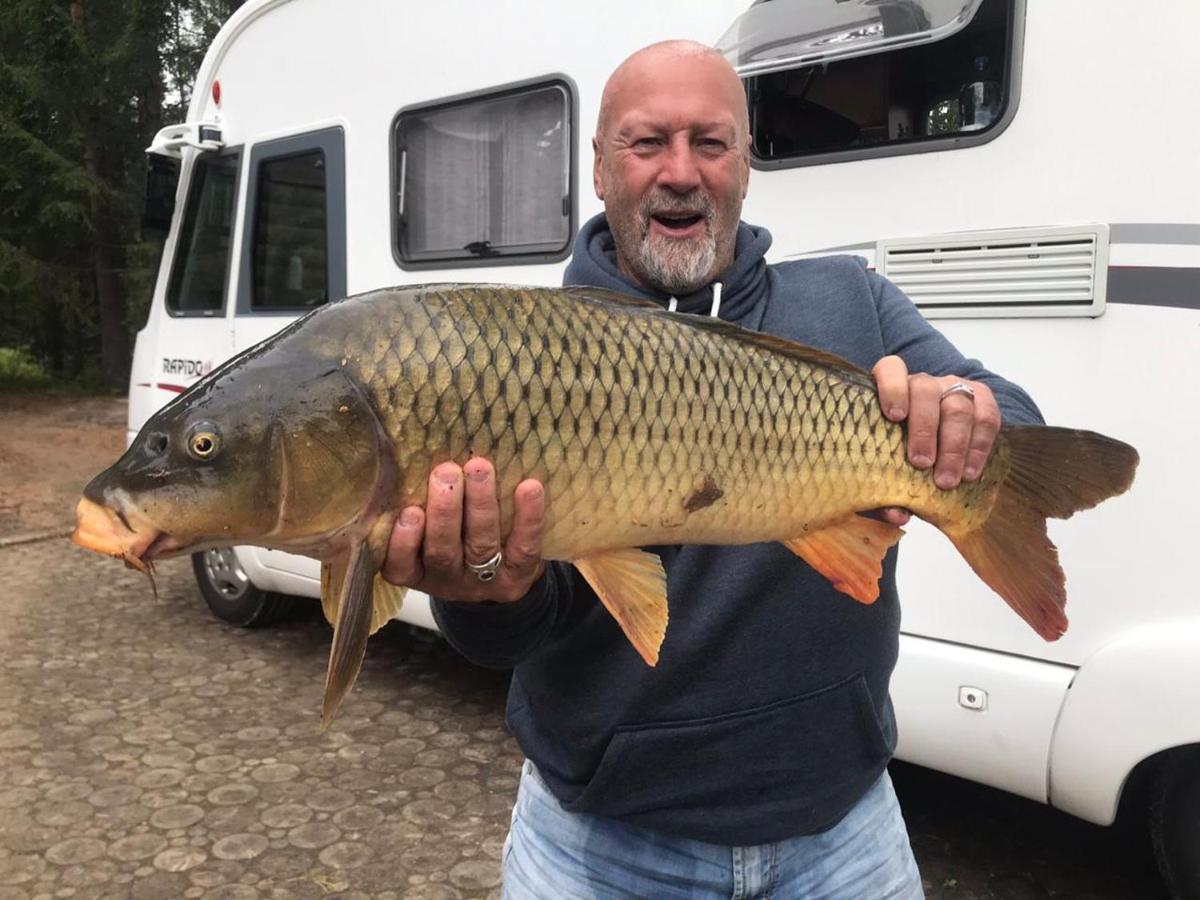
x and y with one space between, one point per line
1025 272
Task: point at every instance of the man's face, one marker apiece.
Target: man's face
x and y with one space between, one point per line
672 166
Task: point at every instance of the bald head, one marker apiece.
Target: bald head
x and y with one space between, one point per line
672 164
667 59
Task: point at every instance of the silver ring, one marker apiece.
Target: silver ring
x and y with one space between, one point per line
487 571
959 388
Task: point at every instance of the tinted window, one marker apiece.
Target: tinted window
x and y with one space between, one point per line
201 262
290 245
951 88
485 177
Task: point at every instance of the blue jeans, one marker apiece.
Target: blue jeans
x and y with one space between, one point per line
552 854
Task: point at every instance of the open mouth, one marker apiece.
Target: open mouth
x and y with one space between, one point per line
108 531
678 224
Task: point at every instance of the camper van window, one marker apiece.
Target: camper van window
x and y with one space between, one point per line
485 179
931 96
198 273
290 246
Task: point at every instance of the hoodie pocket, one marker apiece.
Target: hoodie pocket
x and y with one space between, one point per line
763 773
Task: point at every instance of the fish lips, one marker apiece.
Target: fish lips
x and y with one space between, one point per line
112 529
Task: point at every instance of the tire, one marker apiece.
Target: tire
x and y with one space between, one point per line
1175 822
229 593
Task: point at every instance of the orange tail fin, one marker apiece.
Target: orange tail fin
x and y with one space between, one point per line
1053 473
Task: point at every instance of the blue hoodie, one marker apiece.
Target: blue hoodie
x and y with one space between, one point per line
768 714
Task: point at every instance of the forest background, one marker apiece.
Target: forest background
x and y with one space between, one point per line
84 86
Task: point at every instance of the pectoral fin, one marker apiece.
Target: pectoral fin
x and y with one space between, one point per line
849 552
353 574
358 603
333 574
633 587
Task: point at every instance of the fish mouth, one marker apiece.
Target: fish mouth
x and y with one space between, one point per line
105 529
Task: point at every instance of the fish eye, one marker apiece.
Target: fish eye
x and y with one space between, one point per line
204 441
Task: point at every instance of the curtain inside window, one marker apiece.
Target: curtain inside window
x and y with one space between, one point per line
487 177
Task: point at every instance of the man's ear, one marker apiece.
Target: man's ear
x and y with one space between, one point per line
746 170
597 181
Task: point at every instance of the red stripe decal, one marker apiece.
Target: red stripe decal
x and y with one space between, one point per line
174 388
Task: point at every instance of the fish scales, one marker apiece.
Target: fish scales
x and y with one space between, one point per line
646 427
624 414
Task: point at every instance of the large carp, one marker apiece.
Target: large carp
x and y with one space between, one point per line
646 427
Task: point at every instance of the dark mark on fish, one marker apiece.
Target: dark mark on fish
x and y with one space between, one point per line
705 496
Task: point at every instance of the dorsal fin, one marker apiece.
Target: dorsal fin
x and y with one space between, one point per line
845 369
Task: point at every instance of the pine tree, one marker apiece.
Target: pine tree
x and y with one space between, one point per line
83 88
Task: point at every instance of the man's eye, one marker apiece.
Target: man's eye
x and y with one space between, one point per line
648 142
713 144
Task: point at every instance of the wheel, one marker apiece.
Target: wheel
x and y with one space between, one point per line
229 593
1175 822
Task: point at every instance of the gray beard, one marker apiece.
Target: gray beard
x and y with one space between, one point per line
677 267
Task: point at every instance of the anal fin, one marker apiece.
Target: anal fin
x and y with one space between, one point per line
849 552
633 588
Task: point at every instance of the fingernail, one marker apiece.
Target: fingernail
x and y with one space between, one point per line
479 474
409 518
895 412
922 461
970 473
447 476
945 482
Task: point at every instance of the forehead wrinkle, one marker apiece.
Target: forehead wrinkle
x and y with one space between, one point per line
644 69
672 122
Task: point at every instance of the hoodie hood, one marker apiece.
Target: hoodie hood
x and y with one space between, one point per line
743 284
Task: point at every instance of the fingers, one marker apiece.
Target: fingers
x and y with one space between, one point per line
967 429
924 412
429 549
443 551
952 434
403 565
983 433
481 513
893 515
523 549
891 380
954 437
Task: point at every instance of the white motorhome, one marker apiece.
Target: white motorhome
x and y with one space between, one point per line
1028 172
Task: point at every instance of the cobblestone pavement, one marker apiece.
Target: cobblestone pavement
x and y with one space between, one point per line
149 751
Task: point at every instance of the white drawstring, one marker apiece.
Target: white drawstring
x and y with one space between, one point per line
714 311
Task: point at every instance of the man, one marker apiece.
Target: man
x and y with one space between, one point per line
751 760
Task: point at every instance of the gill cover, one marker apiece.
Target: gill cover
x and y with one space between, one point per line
331 463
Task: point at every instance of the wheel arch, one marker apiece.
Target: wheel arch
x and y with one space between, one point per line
1130 702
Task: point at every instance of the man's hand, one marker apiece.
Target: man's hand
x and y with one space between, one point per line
953 434
430 547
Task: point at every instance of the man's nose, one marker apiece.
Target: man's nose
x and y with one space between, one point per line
679 170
